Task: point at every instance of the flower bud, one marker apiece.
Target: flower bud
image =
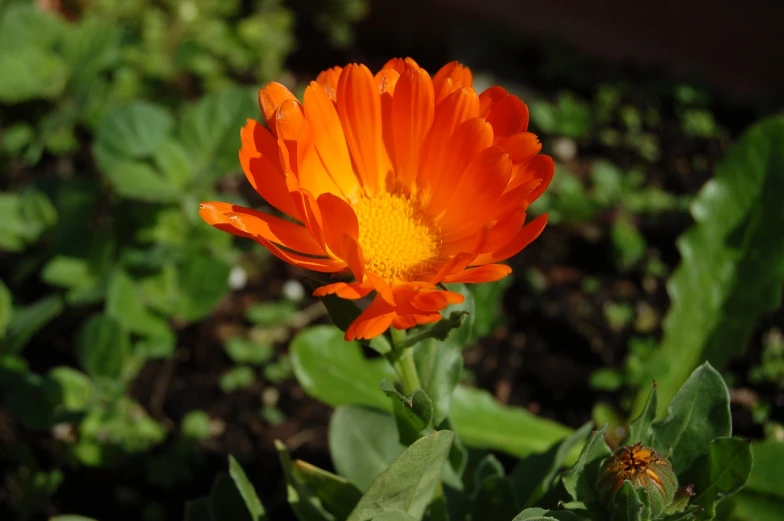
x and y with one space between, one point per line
644 468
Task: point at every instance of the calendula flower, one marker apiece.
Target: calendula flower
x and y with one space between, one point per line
402 180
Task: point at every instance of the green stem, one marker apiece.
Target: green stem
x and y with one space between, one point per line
403 362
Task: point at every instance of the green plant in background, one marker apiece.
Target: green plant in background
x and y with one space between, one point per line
731 269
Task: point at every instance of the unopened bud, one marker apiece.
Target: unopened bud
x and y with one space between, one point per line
644 468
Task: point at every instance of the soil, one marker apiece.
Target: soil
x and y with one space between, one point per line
540 357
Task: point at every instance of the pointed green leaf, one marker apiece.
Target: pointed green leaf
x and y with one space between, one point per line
533 476
408 484
395 515
5 308
718 474
580 479
209 130
628 505
413 412
641 429
134 131
303 502
481 421
766 476
246 490
336 372
440 366
732 266
362 443
101 347
699 413
337 494
27 321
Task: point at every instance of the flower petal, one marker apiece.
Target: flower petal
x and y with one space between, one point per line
349 291
329 80
479 188
450 77
372 322
486 273
251 223
524 237
329 139
270 98
359 109
413 108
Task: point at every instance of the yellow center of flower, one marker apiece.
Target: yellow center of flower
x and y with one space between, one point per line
398 240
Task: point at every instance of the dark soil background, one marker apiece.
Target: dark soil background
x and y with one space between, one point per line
550 340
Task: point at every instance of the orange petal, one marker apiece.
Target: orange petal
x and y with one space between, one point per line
257 224
338 220
412 114
386 79
486 273
329 140
522 146
540 168
450 77
349 291
483 182
288 123
263 170
489 97
411 320
359 109
270 98
401 65
508 115
523 238
376 319
329 79
447 166
436 300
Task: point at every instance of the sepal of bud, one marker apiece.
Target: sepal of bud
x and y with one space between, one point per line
643 468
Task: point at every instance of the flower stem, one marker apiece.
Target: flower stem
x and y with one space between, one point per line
403 362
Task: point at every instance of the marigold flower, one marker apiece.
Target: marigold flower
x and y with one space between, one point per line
403 180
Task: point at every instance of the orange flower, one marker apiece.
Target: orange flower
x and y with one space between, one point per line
404 180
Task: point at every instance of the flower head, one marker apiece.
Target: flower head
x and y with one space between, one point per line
402 180
644 468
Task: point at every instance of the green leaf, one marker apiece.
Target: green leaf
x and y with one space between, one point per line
204 280
533 476
336 372
747 506
481 421
766 476
247 491
580 479
408 484
337 494
209 130
493 494
534 514
102 347
732 266
440 366
641 429
699 413
628 505
25 25
134 131
136 180
30 73
29 320
395 515
718 474
363 443
124 303
413 412
226 502
304 503
74 388
68 272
